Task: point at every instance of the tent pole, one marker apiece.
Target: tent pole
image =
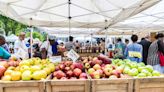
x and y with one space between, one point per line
69 16
31 41
106 37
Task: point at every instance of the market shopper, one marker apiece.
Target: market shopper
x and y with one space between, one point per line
153 55
49 48
126 42
70 45
134 50
4 54
145 44
20 48
119 49
77 45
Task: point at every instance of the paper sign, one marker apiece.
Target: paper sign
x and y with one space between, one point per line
135 54
55 59
72 55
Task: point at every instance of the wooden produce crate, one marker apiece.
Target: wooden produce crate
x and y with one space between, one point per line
76 85
112 85
22 86
149 85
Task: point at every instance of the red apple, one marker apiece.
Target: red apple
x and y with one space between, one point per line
57 68
96 67
98 62
107 71
116 73
100 71
67 68
113 77
96 75
95 58
83 78
102 65
69 73
60 74
91 70
72 67
4 63
73 78
77 72
62 66
2 70
68 63
78 65
91 63
83 75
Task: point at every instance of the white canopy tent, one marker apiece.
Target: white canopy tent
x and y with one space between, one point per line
73 13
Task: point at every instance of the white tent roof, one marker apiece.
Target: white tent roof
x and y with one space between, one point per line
73 13
151 19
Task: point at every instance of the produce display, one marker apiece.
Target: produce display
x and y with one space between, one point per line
69 70
101 67
135 69
30 69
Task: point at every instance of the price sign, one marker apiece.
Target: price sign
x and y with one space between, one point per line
55 59
72 55
135 54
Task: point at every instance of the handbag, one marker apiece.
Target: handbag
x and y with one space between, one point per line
161 58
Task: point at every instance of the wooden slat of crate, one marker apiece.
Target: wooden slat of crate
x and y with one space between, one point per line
68 86
22 86
112 85
149 85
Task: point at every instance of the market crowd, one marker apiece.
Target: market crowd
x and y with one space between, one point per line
151 53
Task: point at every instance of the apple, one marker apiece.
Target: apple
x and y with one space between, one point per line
26 75
63 78
97 61
91 63
126 60
141 64
91 70
47 70
145 71
108 71
24 62
100 71
55 78
87 65
77 72
120 63
126 70
57 68
51 66
108 66
133 65
133 72
15 76
61 66
116 73
140 68
73 78
6 78
149 68
141 75
37 75
35 68
69 73
60 74
96 67
68 63
43 74
83 78
85 61
4 63
113 77
67 68
156 73
120 69
24 68
78 65
95 58
96 75
8 72
10 68
83 75
72 67
2 70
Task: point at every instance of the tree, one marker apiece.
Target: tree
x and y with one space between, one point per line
36 35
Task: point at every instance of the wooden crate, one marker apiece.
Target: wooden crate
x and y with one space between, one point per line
22 86
149 85
112 85
68 86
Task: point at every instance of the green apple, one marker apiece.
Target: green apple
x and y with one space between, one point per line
133 65
51 66
37 75
141 75
126 70
47 70
91 70
126 60
140 68
156 73
120 63
149 68
145 71
133 72
24 62
26 75
141 64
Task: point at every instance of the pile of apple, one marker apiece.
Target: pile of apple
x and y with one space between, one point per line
135 69
30 69
69 70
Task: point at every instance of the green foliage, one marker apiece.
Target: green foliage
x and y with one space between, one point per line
36 35
11 26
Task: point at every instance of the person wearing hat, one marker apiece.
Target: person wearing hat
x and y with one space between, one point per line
49 48
20 48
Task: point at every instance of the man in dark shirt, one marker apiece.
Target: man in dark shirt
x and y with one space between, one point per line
145 44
